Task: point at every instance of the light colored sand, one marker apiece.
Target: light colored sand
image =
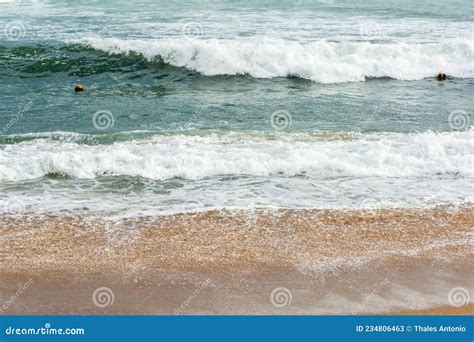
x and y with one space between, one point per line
467 310
331 262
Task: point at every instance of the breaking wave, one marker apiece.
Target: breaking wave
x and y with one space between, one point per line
324 62
162 157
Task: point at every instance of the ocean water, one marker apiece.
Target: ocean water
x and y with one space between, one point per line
194 105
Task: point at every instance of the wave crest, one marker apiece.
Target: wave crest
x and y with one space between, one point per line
324 62
198 157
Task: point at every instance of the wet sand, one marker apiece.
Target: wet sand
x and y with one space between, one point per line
239 262
466 310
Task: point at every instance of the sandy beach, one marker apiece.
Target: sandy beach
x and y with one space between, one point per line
265 171
396 261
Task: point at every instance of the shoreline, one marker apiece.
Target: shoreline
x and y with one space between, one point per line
293 262
467 310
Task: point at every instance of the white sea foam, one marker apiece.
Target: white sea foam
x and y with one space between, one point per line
198 157
322 61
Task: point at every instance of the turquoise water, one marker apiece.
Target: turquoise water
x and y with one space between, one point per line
197 105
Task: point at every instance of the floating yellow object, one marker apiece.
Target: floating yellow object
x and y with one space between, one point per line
79 88
441 76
